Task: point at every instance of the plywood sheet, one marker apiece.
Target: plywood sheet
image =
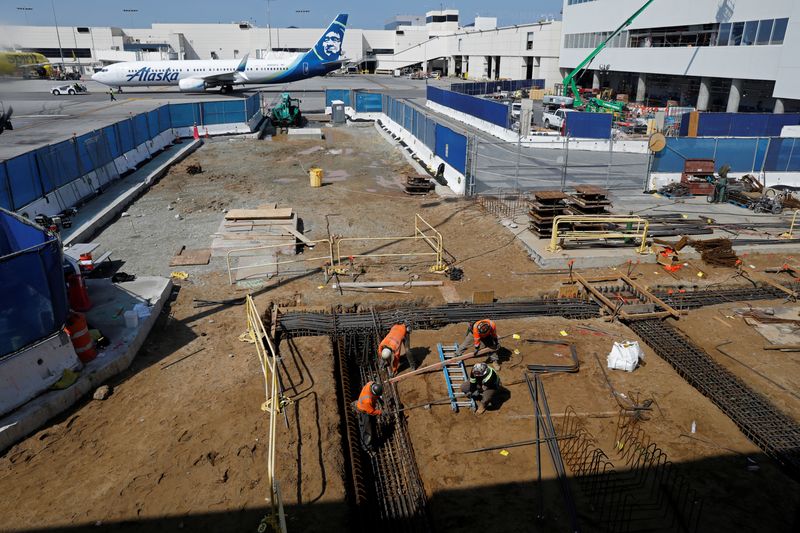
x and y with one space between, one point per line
258 214
201 256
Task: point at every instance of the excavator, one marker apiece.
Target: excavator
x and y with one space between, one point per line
595 104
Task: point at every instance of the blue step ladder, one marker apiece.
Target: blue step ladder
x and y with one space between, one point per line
454 376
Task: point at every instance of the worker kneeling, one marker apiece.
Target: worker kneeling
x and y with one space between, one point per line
483 386
391 346
368 408
484 332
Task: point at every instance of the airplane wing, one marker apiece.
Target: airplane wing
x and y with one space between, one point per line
227 77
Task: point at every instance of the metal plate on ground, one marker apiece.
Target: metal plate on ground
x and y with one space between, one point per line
201 256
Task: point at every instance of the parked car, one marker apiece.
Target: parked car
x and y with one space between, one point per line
555 119
72 88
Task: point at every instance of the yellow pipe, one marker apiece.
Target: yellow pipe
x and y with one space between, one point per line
790 234
598 234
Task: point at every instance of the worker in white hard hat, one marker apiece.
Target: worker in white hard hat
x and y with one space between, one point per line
483 385
392 346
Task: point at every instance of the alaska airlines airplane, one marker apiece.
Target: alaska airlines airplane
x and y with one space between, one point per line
199 75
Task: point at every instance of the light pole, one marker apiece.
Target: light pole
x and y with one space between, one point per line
25 12
58 34
269 26
131 12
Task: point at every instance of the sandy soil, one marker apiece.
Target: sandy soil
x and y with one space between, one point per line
439 435
183 445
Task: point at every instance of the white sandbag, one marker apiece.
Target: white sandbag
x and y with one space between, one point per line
625 356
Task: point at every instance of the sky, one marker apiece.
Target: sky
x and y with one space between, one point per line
367 14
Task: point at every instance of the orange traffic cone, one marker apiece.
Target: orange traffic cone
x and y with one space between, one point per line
207 135
195 133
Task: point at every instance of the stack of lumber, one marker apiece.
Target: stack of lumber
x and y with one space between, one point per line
589 200
266 225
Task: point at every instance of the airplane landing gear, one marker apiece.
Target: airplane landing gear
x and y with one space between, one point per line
226 89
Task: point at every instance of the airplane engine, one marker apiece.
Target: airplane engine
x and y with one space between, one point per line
191 85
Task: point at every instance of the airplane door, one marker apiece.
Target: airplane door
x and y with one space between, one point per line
305 67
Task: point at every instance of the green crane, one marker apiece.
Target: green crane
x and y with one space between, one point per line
597 104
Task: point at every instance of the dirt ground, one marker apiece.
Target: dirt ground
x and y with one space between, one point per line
181 442
496 491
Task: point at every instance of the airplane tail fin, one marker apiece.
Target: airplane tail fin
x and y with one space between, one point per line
329 47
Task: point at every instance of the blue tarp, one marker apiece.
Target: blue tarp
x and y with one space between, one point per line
589 125
5 190
34 300
740 124
452 147
493 112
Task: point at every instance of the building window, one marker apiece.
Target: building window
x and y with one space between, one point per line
779 31
724 34
452 18
749 34
529 45
736 34
764 31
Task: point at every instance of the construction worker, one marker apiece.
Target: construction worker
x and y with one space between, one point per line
389 350
368 407
484 383
484 332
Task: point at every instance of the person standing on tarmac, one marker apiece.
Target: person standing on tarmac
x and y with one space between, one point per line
368 408
111 94
483 385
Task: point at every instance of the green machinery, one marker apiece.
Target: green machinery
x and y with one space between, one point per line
597 104
287 112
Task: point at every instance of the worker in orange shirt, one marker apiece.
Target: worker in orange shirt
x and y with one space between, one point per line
368 408
398 339
483 332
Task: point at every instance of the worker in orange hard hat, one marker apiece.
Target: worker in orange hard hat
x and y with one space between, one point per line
368 407
399 338
483 332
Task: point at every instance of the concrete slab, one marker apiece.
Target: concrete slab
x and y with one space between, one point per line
110 301
113 201
305 133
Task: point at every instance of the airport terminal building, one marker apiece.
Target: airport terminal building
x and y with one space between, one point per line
439 41
721 55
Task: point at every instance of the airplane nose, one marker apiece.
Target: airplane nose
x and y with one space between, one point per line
96 76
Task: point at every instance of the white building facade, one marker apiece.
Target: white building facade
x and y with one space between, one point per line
481 50
716 55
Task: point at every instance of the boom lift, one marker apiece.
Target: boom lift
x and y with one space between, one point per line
596 104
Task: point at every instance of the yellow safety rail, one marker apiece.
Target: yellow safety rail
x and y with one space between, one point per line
422 232
324 258
638 227
267 357
790 233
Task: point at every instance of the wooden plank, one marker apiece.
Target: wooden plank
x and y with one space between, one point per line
200 256
249 236
305 240
376 284
768 281
258 214
652 297
483 297
441 364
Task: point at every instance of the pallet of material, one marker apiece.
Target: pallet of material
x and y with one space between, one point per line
259 214
418 185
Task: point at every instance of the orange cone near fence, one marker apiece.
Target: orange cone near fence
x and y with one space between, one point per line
77 293
86 262
78 332
195 133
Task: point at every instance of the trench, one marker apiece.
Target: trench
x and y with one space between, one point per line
385 489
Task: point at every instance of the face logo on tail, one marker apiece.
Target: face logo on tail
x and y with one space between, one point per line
332 43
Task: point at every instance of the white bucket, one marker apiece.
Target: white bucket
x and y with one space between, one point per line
131 319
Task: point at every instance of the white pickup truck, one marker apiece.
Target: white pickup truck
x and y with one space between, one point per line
555 119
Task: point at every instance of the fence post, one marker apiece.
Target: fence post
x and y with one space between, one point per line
566 162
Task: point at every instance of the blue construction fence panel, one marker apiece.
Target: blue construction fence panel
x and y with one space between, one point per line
23 179
476 88
31 282
589 125
773 154
337 94
125 130
225 112
5 189
740 124
112 140
369 102
452 147
164 122
252 105
493 112
184 115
